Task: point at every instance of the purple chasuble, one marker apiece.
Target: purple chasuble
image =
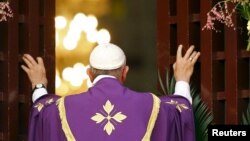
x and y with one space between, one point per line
108 111
175 121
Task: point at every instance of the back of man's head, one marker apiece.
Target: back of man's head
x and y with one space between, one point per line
107 59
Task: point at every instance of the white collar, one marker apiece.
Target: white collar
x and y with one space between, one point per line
99 77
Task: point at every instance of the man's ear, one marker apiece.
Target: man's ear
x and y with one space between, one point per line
124 73
90 74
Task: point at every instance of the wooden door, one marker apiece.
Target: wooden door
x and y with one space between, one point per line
222 72
31 30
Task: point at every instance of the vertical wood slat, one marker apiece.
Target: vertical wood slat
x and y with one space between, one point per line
49 42
1 136
206 56
163 40
183 23
11 70
33 27
231 86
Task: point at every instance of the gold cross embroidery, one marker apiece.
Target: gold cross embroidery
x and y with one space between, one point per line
179 107
108 117
49 101
39 106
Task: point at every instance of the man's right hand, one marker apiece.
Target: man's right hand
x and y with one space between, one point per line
184 65
35 70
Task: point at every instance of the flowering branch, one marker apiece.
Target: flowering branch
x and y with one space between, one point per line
223 14
5 11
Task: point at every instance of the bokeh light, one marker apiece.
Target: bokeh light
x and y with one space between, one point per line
60 22
75 38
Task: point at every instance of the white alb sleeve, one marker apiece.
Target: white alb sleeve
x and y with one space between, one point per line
38 93
182 88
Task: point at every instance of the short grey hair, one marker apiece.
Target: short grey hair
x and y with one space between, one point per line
115 72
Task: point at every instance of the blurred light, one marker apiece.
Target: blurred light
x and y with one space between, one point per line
57 39
80 27
57 71
75 80
80 19
90 24
80 69
58 81
79 66
74 31
74 28
69 43
92 36
78 75
75 75
60 22
71 40
66 74
103 36
63 89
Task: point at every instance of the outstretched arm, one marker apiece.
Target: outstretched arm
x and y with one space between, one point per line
183 70
37 74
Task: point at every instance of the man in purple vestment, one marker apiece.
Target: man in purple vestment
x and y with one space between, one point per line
109 111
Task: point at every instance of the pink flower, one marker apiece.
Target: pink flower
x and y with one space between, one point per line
5 11
223 14
220 13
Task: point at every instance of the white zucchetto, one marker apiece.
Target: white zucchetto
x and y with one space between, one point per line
107 57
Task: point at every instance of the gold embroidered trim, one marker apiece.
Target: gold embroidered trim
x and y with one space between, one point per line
49 101
39 106
65 125
153 117
179 106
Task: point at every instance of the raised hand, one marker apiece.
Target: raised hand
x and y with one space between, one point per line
184 65
35 70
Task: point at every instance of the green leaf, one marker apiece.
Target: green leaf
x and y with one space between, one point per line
246 116
172 85
248 45
167 81
244 10
161 84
